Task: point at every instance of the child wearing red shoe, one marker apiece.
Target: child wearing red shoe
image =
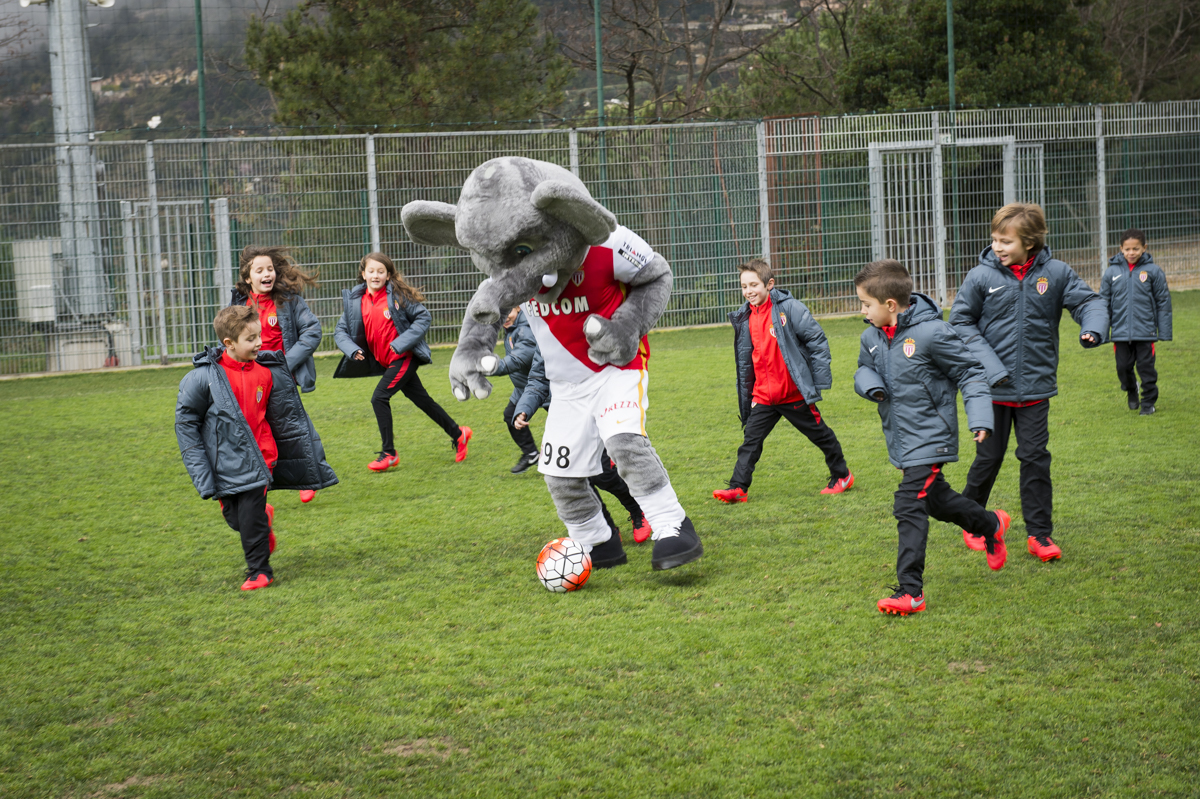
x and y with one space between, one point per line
382 332
270 282
242 430
782 360
1007 312
913 364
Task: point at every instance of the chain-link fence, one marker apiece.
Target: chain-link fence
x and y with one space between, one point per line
120 253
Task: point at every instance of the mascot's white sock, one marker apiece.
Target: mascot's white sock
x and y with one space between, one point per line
663 511
592 532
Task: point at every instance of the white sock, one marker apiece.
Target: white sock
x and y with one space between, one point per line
663 511
594 531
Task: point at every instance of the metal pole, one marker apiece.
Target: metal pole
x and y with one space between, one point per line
939 215
133 297
223 279
372 196
949 49
600 109
764 211
156 265
200 71
1101 189
573 148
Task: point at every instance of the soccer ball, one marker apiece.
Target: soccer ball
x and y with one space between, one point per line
563 566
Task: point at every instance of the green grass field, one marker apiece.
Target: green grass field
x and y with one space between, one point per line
407 649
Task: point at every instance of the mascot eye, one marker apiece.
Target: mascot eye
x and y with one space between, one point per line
522 250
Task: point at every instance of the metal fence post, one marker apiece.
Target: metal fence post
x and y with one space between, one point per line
156 265
764 197
1101 191
939 214
372 194
875 176
223 279
1009 168
573 147
133 296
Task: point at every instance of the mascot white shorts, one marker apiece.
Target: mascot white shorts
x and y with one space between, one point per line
584 415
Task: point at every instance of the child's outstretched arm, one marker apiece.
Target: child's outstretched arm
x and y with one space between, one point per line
341 337
1087 309
519 361
1162 304
308 334
867 381
959 364
537 390
420 320
812 337
964 316
190 411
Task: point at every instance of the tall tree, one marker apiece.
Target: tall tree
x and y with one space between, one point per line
1007 52
407 62
1157 43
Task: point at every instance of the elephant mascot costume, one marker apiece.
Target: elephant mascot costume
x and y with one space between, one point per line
591 290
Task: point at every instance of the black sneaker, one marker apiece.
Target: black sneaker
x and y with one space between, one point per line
527 460
609 554
1147 410
678 549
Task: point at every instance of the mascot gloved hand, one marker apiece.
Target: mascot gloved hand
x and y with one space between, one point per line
592 290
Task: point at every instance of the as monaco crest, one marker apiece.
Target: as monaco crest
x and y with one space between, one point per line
273 320
910 346
1142 277
387 314
783 318
577 278
258 394
1042 285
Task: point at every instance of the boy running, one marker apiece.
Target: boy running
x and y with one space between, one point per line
782 360
912 363
1007 312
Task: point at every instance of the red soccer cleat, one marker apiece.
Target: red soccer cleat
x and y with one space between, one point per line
1041 546
460 452
270 527
731 495
838 484
261 581
997 553
307 496
642 531
383 462
975 542
902 603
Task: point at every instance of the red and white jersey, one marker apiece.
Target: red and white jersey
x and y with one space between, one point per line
598 287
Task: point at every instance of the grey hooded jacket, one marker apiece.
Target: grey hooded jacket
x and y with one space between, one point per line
1011 326
536 393
519 349
1138 300
218 447
301 331
801 340
412 322
918 374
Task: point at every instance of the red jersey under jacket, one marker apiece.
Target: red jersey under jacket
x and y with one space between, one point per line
381 331
772 383
251 383
268 317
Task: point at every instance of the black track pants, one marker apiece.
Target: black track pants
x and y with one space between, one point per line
522 438
924 492
1142 354
247 514
805 418
609 480
401 377
1032 429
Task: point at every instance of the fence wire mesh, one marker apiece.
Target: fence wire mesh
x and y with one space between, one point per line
120 253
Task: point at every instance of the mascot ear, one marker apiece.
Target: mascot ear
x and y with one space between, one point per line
573 205
430 222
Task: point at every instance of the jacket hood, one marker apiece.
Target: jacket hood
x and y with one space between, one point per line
989 258
920 309
1119 260
211 356
522 321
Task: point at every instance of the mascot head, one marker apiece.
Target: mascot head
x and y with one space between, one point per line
527 224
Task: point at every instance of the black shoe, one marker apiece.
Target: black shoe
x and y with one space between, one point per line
609 554
527 460
1133 400
677 550
1147 410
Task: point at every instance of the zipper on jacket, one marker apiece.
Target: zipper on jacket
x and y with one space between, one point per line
224 379
1019 381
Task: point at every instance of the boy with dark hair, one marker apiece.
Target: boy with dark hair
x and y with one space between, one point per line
1135 293
242 430
1007 312
912 363
782 362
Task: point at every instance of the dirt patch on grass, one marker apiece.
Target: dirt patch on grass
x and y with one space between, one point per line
118 788
965 668
440 747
